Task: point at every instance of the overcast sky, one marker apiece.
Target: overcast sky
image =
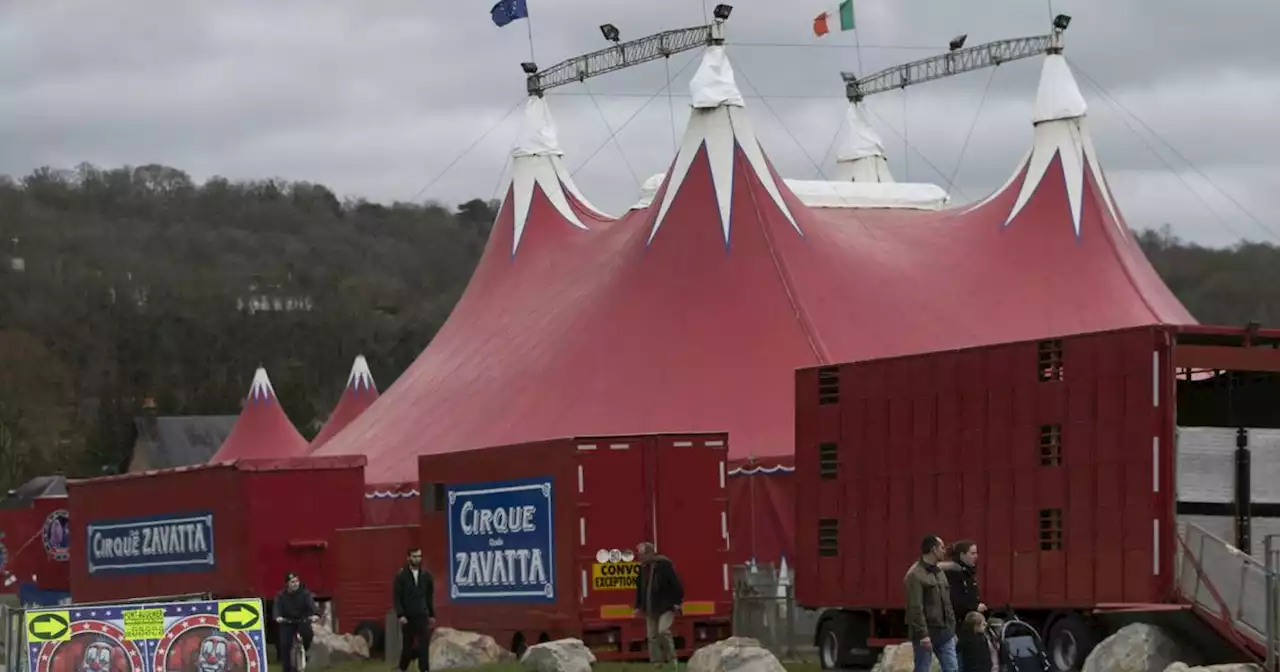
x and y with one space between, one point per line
375 98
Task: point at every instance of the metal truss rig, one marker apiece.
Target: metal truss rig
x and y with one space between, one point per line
625 55
951 63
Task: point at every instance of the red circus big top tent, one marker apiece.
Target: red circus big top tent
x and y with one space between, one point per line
691 311
263 429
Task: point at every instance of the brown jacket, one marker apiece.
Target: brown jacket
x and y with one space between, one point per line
929 612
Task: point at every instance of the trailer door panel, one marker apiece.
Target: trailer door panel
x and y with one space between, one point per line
613 515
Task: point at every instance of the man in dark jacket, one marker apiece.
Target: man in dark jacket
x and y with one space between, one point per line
659 595
294 610
413 595
930 618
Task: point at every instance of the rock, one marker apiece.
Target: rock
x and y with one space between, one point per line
458 649
1229 667
735 654
328 648
561 655
1137 647
901 658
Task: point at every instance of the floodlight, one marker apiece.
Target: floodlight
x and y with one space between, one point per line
958 41
721 12
1061 21
610 32
529 67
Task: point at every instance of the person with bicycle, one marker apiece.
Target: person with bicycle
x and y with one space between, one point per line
294 610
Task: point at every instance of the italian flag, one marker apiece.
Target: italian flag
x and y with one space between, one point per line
845 11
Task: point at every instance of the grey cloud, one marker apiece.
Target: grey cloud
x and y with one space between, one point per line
374 99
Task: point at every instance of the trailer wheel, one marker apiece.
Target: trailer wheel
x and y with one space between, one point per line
1069 642
829 645
372 634
842 641
518 645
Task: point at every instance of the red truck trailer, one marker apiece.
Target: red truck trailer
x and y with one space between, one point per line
1104 477
34 542
530 542
232 529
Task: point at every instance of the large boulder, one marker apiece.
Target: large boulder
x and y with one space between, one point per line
1137 647
329 648
901 658
735 654
458 649
561 655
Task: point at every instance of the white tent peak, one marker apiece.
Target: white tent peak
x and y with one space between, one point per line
361 377
536 163
861 157
713 84
1058 97
538 131
1061 132
260 389
718 121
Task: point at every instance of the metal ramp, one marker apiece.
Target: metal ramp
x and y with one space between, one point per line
1231 590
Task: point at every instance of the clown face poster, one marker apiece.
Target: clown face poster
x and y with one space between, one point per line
219 636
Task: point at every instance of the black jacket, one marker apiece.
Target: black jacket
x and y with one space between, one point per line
659 583
295 606
974 652
414 599
965 596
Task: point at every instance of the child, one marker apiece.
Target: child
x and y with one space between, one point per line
971 644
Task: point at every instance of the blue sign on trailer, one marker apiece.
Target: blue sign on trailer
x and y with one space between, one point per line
181 542
501 541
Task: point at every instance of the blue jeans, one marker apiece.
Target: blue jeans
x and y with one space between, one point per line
945 650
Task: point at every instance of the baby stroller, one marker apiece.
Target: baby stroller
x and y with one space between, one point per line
1017 645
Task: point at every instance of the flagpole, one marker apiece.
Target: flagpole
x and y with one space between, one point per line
528 24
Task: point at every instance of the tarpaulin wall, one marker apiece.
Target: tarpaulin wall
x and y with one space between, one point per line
391 504
762 512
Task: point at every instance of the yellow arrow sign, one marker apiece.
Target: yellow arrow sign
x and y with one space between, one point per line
49 626
240 615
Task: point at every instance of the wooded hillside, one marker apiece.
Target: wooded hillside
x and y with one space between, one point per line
131 283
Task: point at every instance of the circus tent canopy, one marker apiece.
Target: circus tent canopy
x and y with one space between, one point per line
691 313
359 394
263 429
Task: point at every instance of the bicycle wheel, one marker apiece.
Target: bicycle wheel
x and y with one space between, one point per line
299 656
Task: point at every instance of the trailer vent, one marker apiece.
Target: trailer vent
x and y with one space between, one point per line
1050 529
828 385
828 537
1050 360
434 497
828 460
1051 445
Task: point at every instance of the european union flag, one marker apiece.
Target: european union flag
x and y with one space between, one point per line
507 11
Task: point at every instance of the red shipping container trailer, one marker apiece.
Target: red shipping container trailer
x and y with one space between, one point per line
1103 476
519 538
366 559
35 538
232 529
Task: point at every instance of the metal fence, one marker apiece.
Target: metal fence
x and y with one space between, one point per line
764 609
11 649
1272 562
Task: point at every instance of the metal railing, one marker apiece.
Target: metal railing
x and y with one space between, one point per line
11 648
764 609
1226 583
1271 558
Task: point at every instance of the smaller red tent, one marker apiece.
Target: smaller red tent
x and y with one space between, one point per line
263 429
361 392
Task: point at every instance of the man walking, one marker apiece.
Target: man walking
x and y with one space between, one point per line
658 597
413 595
930 618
